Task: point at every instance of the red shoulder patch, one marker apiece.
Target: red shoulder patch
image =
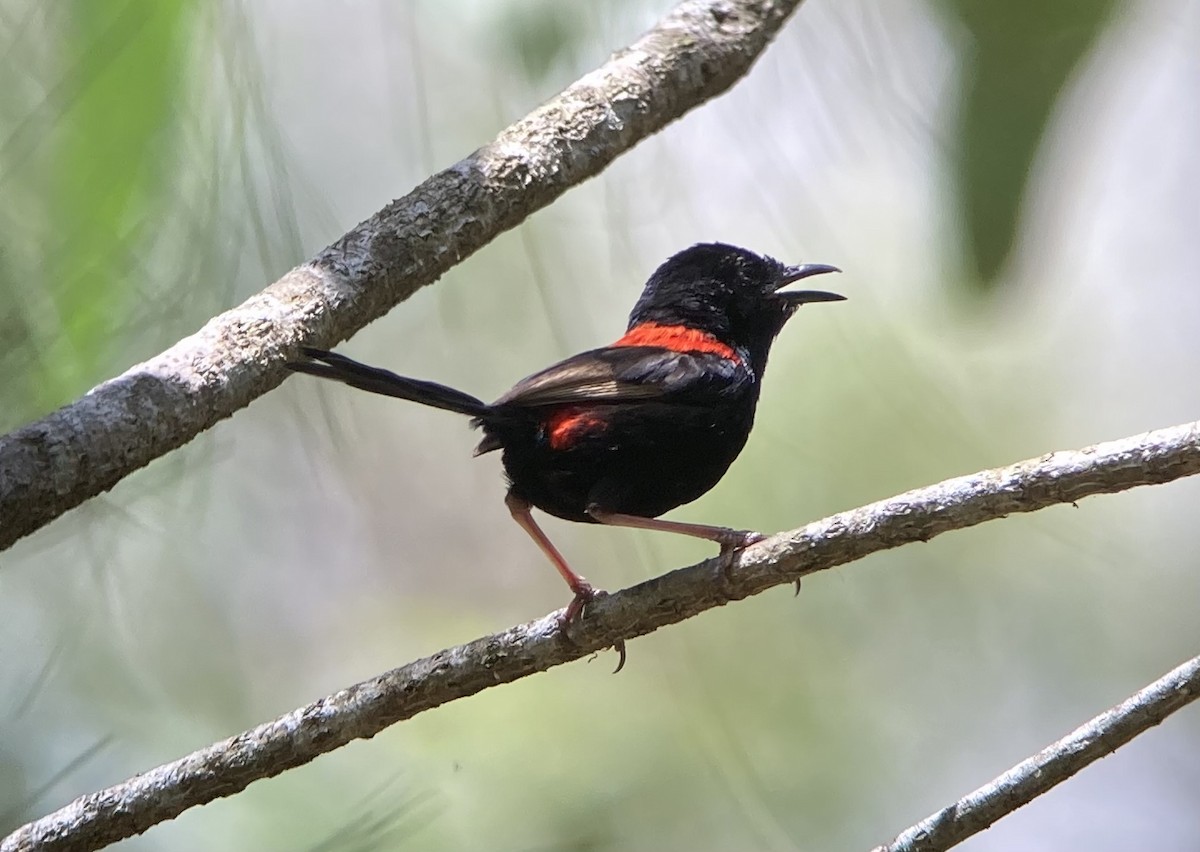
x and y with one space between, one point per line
565 425
677 338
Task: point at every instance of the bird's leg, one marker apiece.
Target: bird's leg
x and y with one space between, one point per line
584 591
731 540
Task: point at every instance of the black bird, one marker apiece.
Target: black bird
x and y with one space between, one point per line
621 434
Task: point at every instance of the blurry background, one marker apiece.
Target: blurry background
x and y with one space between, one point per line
1012 191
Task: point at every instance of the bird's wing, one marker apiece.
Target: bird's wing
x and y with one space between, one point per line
627 374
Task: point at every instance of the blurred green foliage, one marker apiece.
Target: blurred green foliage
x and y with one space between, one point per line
89 155
540 34
1017 59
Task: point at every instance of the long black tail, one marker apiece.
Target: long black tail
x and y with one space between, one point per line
329 365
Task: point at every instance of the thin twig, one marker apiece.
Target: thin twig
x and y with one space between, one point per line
367 708
1056 763
696 52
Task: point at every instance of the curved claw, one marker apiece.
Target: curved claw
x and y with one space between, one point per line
619 647
584 595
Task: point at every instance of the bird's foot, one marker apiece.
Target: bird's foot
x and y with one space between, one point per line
731 542
585 593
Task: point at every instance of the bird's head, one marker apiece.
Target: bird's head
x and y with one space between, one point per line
731 293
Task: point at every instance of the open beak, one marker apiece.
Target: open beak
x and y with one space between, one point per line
796 298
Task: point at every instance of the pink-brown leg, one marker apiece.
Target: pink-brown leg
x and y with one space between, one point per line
731 540
522 514
584 591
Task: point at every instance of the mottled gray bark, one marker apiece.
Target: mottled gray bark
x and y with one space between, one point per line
369 707
696 52
1054 764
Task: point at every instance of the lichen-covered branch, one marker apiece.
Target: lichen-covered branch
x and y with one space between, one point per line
367 708
1054 764
694 53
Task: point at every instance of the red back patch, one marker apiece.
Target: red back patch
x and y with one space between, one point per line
565 425
677 338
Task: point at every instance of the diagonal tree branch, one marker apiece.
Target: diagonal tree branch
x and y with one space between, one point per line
365 709
1054 764
694 53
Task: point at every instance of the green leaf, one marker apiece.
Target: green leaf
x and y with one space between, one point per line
1018 57
120 73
